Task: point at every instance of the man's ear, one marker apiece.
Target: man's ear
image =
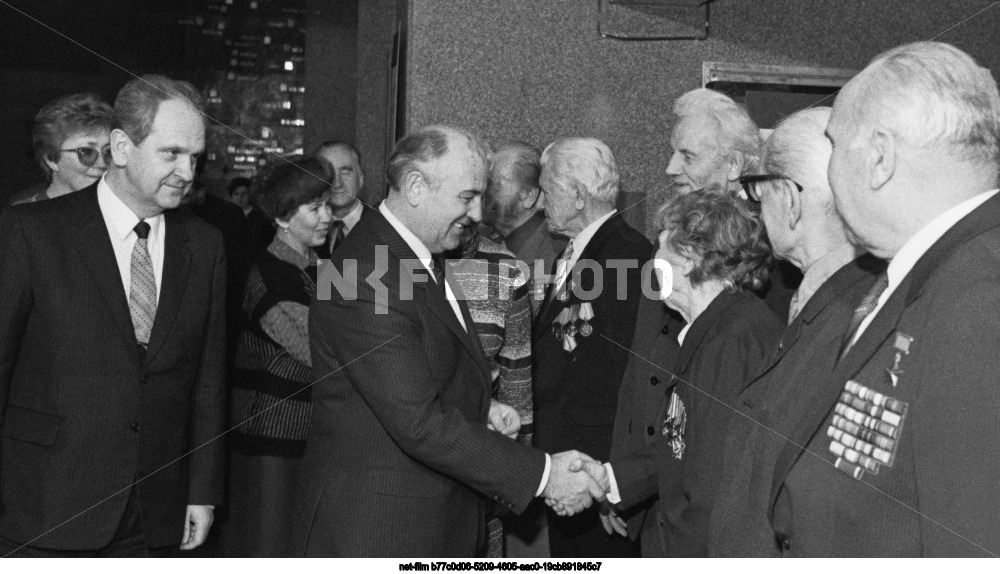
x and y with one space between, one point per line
881 158
736 162
121 146
579 197
528 198
361 178
791 202
415 187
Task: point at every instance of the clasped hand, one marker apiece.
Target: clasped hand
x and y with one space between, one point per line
575 482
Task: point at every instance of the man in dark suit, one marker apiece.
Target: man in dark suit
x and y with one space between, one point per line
348 180
584 327
400 460
804 228
111 349
900 453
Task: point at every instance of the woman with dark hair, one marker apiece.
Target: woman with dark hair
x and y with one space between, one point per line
72 142
716 252
270 399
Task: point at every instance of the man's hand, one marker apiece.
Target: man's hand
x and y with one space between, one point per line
570 492
196 525
504 419
611 521
596 471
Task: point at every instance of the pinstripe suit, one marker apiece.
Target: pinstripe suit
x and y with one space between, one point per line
83 411
399 460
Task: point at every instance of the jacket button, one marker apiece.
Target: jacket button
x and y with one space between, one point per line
782 541
654 381
135 427
665 330
650 431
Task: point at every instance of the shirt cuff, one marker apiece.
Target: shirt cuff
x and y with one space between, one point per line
614 497
545 475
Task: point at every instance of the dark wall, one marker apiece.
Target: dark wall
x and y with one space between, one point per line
532 70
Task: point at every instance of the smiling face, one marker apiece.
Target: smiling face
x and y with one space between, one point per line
69 172
452 202
161 168
697 161
308 225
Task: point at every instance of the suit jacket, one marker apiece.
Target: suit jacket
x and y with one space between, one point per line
810 345
722 349
84 411
399 460
637 422
576 394
936 494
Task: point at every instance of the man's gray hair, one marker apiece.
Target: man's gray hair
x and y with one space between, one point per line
799 149
419 148
737 130
583 163
139 100
526 166
933 95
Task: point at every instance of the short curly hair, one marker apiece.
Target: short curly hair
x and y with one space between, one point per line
724 238
288 183
62 118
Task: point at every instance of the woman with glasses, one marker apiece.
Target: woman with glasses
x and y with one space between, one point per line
714 254
71 138
271 405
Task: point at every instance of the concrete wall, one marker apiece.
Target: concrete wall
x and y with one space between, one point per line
536 70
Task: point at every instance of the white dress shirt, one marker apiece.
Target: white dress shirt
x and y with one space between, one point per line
424 255
121 221
351 219
916 246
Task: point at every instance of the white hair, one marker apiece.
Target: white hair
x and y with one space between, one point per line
934 96
584 163
737 130
799 149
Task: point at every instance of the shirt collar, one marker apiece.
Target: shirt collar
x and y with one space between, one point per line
583 238
352 218
286 253
122 219
916 246
418 247
821 270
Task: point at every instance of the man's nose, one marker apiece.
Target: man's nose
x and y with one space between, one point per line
185 169
475 212
674 167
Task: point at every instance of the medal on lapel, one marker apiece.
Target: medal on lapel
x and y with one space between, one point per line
565 320
586 314
902 346
673 425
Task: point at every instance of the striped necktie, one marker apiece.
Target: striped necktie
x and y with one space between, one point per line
562 270
142 288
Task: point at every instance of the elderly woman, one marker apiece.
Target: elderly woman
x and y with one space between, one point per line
71 138
717 254
270 387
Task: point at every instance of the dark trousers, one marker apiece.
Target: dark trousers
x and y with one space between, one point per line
128 542
583 536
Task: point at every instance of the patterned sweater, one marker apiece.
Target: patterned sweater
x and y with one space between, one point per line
270 387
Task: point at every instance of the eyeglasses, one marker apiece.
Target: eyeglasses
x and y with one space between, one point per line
751 183
88 155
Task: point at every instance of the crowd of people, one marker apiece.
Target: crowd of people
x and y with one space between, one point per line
490 360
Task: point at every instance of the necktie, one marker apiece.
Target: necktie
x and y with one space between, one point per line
142 287
338 236
562 269
793 308
864 309
438 269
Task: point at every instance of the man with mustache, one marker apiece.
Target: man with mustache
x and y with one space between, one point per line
111 349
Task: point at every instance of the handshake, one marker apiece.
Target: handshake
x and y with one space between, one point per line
575 482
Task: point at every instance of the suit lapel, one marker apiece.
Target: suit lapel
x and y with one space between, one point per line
176 260
94 247
701 327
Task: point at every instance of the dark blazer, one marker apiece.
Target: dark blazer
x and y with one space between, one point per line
83 411
637 422
576 394
722 349
399 460
938 496
809 346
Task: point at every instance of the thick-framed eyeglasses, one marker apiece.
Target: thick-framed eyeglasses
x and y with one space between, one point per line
751 184
88 155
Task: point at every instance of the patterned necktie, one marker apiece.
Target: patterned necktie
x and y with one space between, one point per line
142 288
864 309
338 237
562 269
